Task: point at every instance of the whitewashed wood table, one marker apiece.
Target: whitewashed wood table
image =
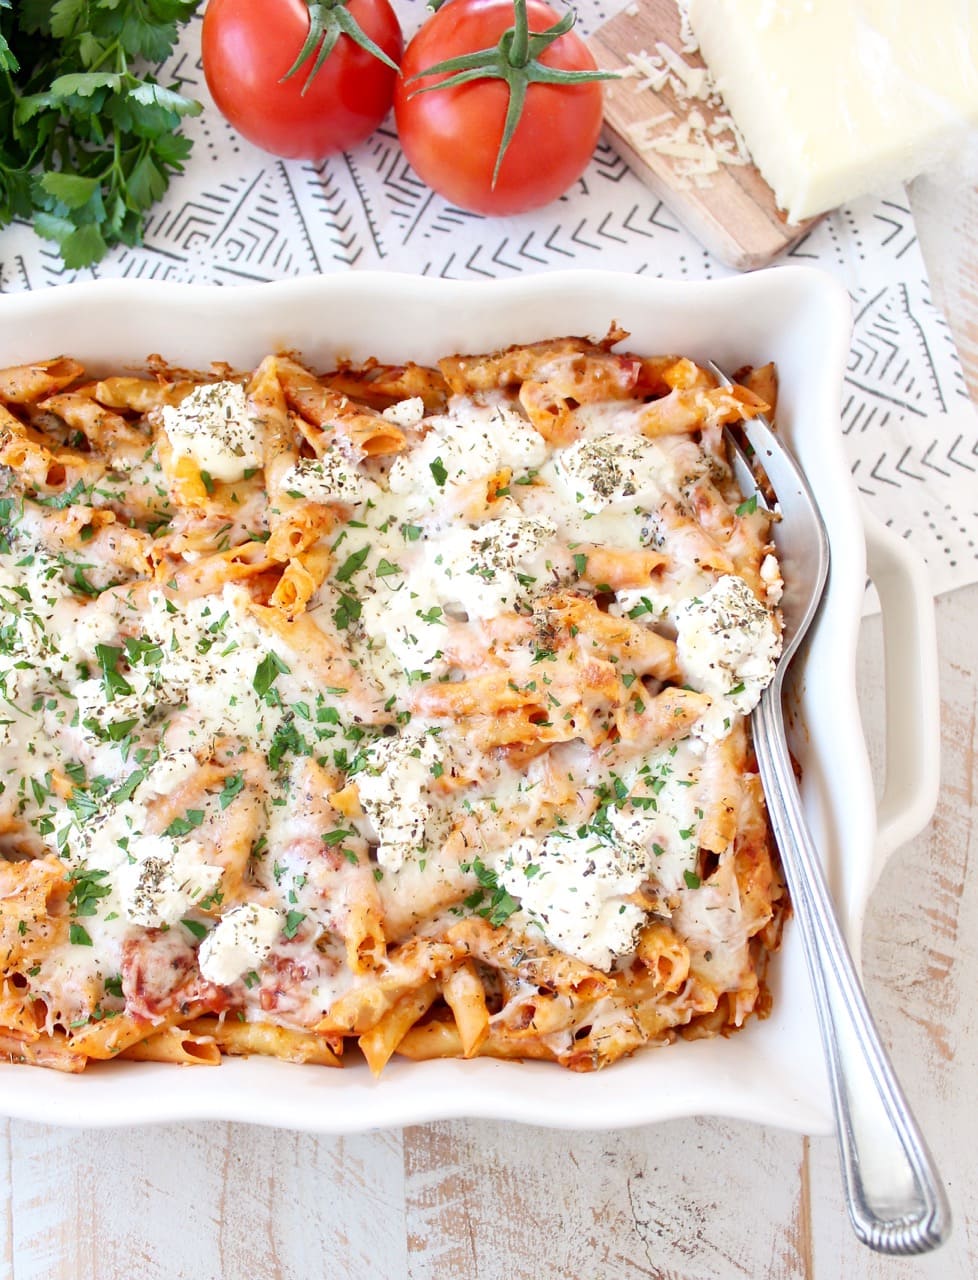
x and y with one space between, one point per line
689 1200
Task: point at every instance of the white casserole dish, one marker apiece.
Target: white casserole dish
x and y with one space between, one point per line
772 1071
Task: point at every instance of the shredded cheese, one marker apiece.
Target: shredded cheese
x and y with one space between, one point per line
696 146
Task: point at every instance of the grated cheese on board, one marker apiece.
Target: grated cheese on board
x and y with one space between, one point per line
696 147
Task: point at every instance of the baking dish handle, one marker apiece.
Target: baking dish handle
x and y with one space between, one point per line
913 735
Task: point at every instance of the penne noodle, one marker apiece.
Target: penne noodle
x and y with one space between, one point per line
443 1040
241 1038
176 1044
380 1042
29 383
465 995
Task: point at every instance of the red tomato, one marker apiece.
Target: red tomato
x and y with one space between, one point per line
249 45
451 136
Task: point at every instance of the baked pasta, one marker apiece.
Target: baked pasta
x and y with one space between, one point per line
399 706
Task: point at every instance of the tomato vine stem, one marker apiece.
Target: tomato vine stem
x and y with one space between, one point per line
328 20
514 60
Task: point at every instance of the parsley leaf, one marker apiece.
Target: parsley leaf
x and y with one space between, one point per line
351 564
108 660
292 921
233 786
87 145
491 900
67 497
183 826
348 610
267 672
85 891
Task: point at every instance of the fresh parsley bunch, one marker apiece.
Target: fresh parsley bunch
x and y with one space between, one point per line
87 145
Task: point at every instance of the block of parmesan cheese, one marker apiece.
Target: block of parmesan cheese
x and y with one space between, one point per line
839 98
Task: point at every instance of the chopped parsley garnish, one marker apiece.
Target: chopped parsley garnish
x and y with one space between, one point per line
128 787
191 820
267 672
491 900
438 472
336 836
292 921
348 610
233 786
108 660
352 564
86 889
59 501
285 739
120 729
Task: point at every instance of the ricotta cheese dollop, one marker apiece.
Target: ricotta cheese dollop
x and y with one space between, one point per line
496 567
334 477
613 469
393 788
239 942
166 880
215 428
468 442
574 888
727 645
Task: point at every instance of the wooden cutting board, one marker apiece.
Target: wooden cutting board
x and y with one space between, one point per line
735 216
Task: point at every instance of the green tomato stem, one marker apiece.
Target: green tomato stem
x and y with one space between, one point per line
328 20
519 42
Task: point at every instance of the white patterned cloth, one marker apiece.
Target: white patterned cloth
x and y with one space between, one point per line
240 215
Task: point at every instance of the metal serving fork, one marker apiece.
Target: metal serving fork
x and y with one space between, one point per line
893 1193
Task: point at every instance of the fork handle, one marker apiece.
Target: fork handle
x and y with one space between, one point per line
894 1196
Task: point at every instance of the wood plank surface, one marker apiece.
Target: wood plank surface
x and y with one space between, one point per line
702 1199
734 214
